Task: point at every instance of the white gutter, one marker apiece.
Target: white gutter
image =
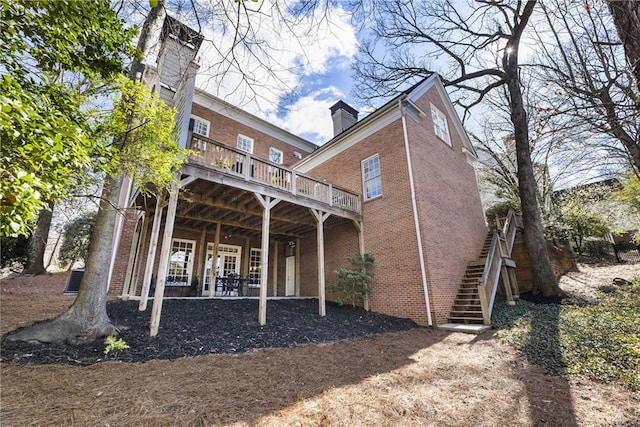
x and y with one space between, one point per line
414 204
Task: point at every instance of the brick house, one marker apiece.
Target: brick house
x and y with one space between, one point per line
262 213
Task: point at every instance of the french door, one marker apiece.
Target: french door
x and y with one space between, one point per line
225 263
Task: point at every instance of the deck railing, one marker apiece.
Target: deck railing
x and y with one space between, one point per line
500 250
232 161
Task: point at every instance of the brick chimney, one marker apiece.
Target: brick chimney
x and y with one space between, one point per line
344 116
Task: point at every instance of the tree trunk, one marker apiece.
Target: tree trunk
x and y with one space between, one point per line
87 318
626 17
38 242
544 280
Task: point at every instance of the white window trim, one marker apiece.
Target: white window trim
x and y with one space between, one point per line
189 262
436 127
204 121
257 267
246 138
364 185
275 150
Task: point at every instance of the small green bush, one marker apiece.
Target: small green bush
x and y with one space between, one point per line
353 285
112 343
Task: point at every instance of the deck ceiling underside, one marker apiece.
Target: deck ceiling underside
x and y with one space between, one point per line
202 204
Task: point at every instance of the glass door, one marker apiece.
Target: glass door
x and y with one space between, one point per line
227 264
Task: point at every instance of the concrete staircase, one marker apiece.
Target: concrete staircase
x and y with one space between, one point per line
466 308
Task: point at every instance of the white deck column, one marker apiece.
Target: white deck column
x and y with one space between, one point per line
151 254
267 203
140 228
275 268
320 217
163 265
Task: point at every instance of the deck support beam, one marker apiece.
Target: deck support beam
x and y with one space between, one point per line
320 217
163 265
267 204
151 253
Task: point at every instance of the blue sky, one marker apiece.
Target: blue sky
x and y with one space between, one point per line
308 71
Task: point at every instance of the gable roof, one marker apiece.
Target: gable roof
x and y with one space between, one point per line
382 117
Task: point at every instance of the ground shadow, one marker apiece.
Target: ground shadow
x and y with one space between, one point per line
541 345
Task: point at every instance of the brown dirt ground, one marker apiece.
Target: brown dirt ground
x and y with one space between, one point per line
414 378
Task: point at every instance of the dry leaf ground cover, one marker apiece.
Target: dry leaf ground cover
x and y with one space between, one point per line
415 377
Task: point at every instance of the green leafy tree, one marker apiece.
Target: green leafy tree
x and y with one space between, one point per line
582 213
53 56
75 240
136 138
353 285
629 197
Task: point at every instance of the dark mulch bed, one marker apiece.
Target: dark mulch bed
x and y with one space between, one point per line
197 327
567 299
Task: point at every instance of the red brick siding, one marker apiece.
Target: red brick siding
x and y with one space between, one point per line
449 208
389 231
226 130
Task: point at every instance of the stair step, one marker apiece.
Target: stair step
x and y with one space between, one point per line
470 301
466 320
466 313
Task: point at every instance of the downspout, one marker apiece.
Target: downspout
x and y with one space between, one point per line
414 205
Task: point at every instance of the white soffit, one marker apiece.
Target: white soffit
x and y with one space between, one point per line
239 115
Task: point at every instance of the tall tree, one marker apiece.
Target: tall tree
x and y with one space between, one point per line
626 17
38 242
481 42
136 138
51 57
587 81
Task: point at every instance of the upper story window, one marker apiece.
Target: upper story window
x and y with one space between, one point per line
245 143
275 155
371 179
440 126
200 126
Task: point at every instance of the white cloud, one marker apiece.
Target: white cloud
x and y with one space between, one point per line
309 115
273 67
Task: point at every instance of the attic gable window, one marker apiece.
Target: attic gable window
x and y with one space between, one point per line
245 143
371 178
440 125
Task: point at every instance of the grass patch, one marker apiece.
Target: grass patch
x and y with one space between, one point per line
600 341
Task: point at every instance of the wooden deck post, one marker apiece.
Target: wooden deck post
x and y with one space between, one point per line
267 203
507 285
201 260
320 217
133 254
163 265
275 268
151 254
